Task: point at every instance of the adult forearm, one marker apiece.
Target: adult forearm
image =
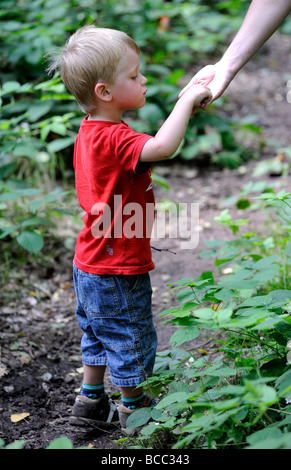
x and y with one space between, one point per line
261 21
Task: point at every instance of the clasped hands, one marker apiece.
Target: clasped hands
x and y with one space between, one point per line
215 77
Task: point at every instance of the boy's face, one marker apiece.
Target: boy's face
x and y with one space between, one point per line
128 90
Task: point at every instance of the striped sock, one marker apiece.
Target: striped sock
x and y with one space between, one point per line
134 402
93 391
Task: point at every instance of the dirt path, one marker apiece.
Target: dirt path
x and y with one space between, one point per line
40 357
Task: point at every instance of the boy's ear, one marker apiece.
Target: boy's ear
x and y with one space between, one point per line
102 92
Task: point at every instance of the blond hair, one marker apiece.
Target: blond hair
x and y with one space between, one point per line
91 55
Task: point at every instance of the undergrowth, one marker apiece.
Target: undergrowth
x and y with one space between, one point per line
235 389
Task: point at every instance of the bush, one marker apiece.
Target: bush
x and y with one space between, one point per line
236 392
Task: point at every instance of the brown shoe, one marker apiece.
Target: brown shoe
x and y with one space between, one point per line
100 412
124 413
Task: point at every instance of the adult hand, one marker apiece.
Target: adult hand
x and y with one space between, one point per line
216 77
261 21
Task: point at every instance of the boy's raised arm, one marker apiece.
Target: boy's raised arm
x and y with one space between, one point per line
170 135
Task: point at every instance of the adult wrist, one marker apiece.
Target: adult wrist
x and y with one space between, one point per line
228 66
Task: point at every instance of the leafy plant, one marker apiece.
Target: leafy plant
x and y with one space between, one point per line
21 220
237 392
30 140
29 152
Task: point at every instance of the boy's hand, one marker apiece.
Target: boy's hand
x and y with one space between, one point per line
203 77
170 135
200 96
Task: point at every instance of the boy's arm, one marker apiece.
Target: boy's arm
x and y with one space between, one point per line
170 135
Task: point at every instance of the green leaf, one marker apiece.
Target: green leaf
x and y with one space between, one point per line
258 394
35 221
263 262
223 314
273 368
151 112
231 159
204 313
226 404
60 144
183 335
283 383
243 204
224 294
274 299
16 193
206 423
16 445
60 443
150 428
160 180
24 149
8 230
185 295
203 144
6 170
38 109
10 87
266 274
139 418
30 241
267 433
232 280
222 372
276 442
205 279
173 398
284 329
208 254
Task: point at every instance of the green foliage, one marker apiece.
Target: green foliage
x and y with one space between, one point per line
43 111
36 123
61 442
40 119
30 29
13 446
27 218
237 393
32 148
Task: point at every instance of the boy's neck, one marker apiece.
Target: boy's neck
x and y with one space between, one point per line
106 116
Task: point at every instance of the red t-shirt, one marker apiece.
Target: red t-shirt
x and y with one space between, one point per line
115 191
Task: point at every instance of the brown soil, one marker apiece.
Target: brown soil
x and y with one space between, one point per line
40 355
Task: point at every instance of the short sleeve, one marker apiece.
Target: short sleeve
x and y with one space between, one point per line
127 146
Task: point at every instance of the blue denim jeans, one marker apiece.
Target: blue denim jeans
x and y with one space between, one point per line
115 315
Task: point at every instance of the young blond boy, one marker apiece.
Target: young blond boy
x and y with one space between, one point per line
112 260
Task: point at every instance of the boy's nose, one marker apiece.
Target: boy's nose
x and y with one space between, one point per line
144 80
